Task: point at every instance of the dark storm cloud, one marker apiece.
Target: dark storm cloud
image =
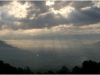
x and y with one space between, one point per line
77 17
42 21
6 17
41 5
2 3
60 4
81 4
85 17
22 2
7 21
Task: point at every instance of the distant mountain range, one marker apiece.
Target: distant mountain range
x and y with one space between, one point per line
22 58
15 56
46 60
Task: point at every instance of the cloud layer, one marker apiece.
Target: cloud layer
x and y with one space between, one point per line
37 15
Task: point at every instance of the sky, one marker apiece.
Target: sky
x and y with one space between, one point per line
72 26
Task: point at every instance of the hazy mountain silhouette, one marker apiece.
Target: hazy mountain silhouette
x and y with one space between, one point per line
46 60
15 56
22 58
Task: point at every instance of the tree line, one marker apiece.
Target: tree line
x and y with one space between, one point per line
88 67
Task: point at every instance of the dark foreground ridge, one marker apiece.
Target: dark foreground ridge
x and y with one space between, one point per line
88 67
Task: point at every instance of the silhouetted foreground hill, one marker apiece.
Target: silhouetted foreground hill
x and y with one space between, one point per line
6 68
88 67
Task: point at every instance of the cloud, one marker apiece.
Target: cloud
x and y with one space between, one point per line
76 17
85 17
2 3
60 4
39 16
81 4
